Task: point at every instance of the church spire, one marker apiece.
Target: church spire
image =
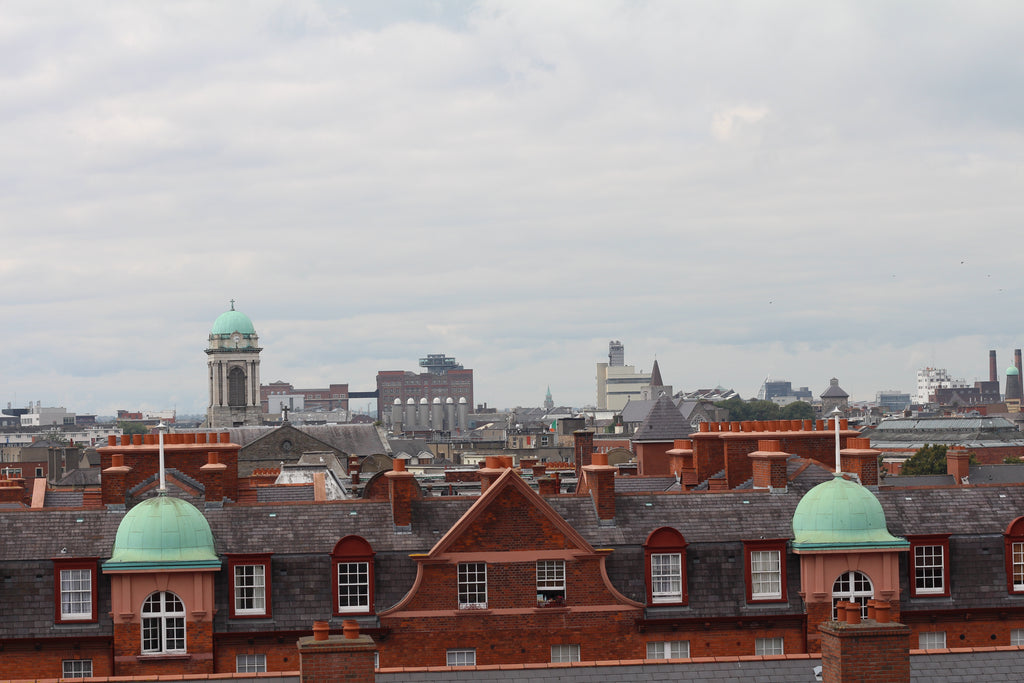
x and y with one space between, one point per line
656 375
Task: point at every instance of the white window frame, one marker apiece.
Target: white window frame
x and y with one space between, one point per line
931 640
566 652
1018 566
1017 636
550 580
472 578
461 656
929 569
765 575
165 624
765 647
856 587
76 668
666 577
250 586
251 663
668 649
353 586
75 594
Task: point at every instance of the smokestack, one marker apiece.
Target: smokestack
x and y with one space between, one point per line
993 375
1016 360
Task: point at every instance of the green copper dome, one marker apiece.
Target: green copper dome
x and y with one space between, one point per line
163 533
232 321
841 514
1012 370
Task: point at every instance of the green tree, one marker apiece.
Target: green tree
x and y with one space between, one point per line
1012 460
133 428
740 410
927 460
798 410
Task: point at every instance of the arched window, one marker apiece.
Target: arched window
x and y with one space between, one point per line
665 556
1014 553
352 563
852 587
236 387
163 624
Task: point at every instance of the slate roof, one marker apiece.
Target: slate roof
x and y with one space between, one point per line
664 423
643 484
354 439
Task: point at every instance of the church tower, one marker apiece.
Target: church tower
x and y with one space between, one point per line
234 372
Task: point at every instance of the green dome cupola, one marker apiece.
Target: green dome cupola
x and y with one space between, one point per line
842 514
163 533
232 321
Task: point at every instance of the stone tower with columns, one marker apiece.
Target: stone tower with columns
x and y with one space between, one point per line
233 372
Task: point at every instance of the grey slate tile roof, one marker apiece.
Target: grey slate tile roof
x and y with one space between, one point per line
634 484
664 423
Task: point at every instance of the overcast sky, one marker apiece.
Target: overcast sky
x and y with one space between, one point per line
798 190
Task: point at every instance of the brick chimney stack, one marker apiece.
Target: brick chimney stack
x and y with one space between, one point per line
353 469
993 371
583 446
113 480
489 473
871 650
958 464
324 658
400 491
859 458
602 487
769 466
213 478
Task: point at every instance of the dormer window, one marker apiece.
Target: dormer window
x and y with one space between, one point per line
665 553
352 561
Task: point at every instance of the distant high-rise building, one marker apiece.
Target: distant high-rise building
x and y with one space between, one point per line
616 382
930 379
444 379
616 354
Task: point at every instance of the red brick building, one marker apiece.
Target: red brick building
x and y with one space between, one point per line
519 574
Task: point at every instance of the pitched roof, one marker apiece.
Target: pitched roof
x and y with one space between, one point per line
656 375
663 423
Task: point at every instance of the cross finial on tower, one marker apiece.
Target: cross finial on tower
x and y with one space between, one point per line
232 304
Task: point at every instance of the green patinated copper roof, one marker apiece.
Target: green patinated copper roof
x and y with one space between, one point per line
163 532
1012 370
232 321
841 514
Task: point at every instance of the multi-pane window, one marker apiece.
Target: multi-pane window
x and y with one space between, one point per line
931 640
550 581
1017 636
77 668
670 649
462 657
250 589
1018 566
928 569
765 574
768 646
852 587
666 577
250 664
565 653
472 585
353 586
75 594
163 623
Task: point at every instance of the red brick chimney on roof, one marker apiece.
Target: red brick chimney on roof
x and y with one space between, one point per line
400 490
861 459
489 473
324 658
213 478
769 466
601 477
583 446
958 464
871 650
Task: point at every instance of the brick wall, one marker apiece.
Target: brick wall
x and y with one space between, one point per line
24 660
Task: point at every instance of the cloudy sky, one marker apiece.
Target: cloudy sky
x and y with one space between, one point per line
798 190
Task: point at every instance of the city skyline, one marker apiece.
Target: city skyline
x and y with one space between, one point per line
738 190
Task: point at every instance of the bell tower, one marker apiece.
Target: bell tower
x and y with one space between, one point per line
233 372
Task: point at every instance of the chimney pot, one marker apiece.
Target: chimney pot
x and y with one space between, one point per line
322 630
350 627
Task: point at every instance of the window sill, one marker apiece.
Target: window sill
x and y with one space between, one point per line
472 611
553 609
160 656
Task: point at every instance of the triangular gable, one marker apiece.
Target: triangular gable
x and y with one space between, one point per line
508 485
290 428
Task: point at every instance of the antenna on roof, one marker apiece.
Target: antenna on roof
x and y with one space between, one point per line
160 428
835 416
